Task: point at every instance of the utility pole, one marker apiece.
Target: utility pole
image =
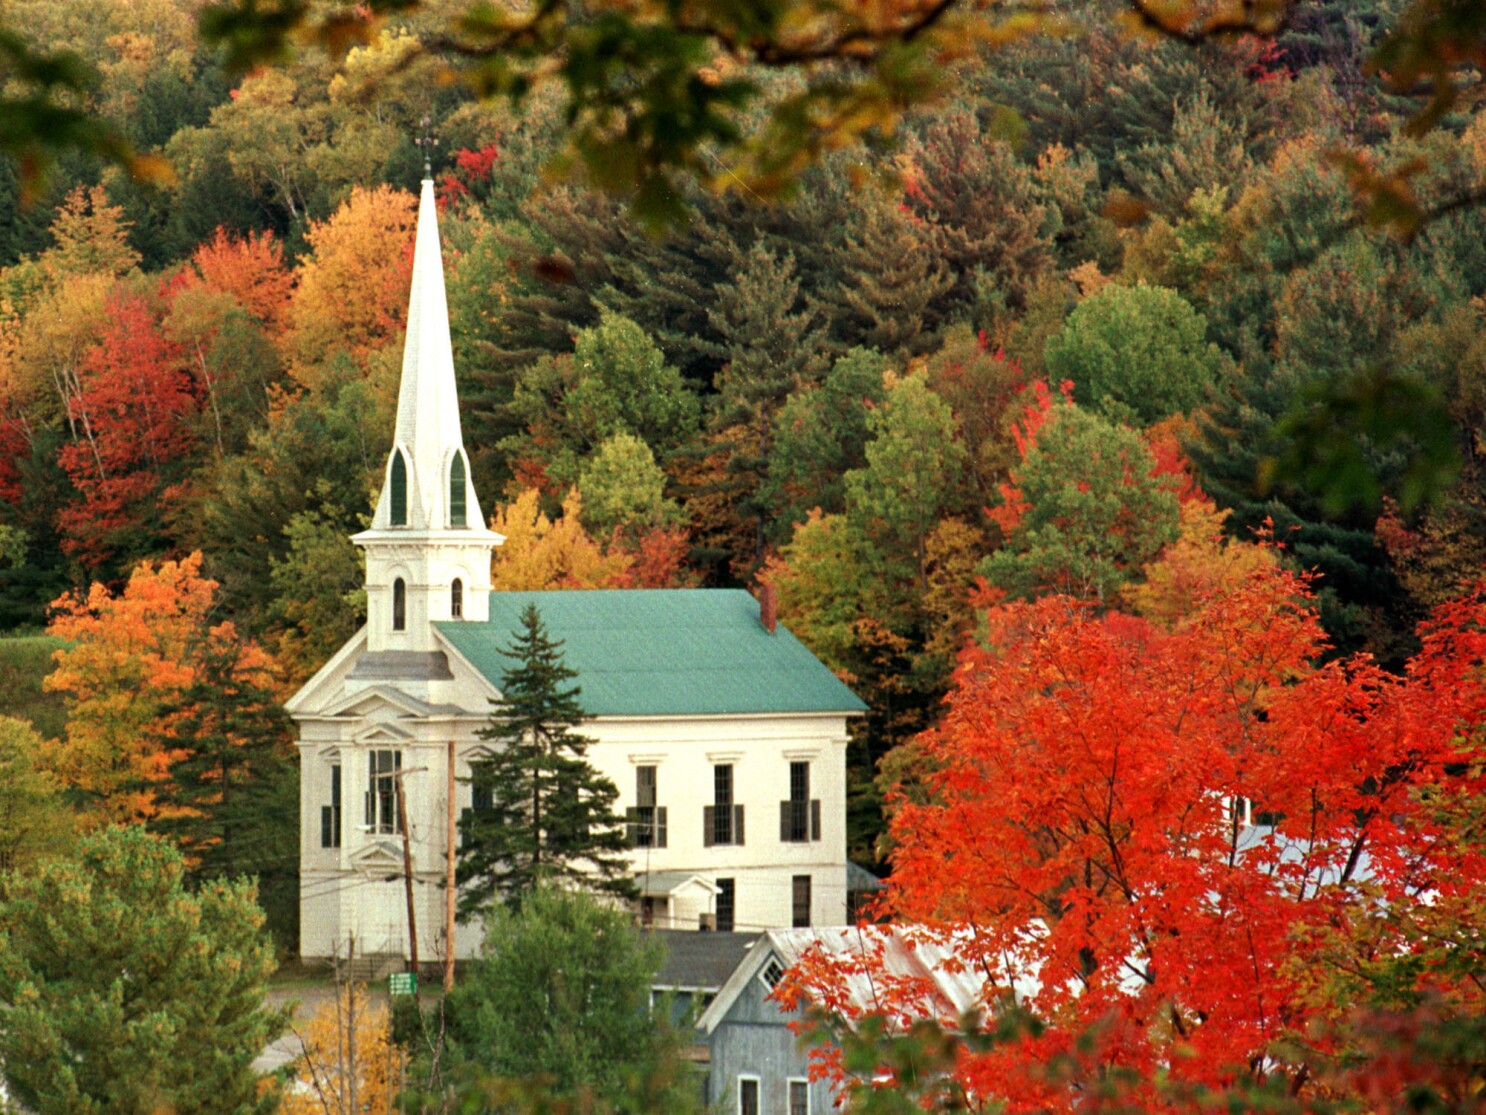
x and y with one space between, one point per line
449 891
407 865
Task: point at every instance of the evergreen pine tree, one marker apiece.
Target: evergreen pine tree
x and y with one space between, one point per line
891 281
231 803
542 813
774 347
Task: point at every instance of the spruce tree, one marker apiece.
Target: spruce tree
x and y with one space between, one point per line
542 813
231 803
774 347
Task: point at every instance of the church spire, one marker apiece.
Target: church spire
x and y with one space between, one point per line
428 548
417 492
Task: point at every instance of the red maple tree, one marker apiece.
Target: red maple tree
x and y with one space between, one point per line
1143 833
133 404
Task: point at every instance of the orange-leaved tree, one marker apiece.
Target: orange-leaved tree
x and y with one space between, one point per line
1142 832
130 660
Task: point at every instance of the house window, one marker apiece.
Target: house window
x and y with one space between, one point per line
456 491
456 599
384 789
647 820
799 1097
773 972
399 605
800 895
722 821
399 489
799 814
725 896
747 1095
330 815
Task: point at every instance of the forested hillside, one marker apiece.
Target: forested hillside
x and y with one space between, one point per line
1085 328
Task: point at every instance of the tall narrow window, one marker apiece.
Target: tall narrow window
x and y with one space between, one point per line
456 599
330 815
456 491
799 814
399 489
747 1096
726 895
384 789
800 893
799 1097
399 605
647 820
722 821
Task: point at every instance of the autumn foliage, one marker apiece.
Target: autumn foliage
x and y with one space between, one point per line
132 404
131 657
1084 834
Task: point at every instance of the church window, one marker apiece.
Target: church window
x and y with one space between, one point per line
386 788
330 815
722 821
456 599
456 491
726 904
800 901
399 605
647 820
399 489
799 814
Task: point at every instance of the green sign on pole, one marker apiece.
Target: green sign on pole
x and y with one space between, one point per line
402 983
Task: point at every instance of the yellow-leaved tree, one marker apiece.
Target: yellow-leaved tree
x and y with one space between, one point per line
348 1064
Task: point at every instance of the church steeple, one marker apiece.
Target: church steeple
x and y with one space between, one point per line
428 432
428 549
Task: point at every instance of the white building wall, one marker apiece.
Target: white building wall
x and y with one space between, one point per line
357 888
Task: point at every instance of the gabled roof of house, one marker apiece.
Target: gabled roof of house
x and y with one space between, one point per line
928 978
662 652
699 961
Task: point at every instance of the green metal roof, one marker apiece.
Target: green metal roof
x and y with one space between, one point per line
662 652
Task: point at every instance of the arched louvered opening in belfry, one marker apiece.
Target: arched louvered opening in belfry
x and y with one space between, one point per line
457 485
399 605
399 489
456 599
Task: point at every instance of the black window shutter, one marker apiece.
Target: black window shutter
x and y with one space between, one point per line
738 825
709 830
784 819
815 818
660 826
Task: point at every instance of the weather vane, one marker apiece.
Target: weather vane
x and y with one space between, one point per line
428 143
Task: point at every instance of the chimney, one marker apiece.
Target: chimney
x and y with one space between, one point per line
768 606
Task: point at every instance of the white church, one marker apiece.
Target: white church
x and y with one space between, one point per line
725 736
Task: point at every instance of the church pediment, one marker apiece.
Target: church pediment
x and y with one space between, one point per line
377 702
379 859
383 731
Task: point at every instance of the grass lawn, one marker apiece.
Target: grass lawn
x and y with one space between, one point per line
24 661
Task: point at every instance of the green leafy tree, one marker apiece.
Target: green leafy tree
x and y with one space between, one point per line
1138 350
558 1007
819 435
122 991
623 488
543 813
897 499
616 381
1083 512
35 821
